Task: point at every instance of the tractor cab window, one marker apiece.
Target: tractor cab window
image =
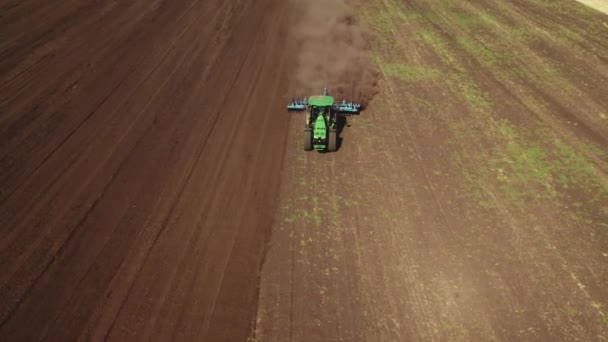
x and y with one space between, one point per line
314 111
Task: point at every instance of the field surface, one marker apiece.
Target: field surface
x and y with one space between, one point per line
599 5
470 201
152 186
140 147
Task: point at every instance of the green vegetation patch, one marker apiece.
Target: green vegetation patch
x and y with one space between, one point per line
436 44
468 20
521 169
379 19
410 72
567 8
522 165
488 56
458 78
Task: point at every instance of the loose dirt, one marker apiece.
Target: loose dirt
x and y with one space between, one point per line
332 50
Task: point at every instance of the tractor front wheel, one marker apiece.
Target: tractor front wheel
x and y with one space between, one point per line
332 140
308 139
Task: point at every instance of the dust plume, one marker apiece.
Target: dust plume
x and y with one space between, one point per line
332 50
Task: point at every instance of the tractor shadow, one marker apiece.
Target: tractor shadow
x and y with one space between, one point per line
341 123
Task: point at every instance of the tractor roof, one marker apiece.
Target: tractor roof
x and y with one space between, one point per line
321 101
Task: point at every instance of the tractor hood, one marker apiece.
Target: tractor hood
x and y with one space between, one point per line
320 131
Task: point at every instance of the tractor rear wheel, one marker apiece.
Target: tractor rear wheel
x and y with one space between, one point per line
307 139
332 140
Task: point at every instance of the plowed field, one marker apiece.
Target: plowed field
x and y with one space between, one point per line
141 145
470 201
152 186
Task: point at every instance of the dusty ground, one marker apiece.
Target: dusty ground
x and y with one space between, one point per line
140 152
141 146
470 201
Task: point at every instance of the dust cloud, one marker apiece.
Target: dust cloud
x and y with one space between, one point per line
332 50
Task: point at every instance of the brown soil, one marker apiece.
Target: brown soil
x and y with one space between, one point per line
152 186
140 150
445 215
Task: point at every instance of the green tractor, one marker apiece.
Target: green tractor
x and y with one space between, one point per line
321 129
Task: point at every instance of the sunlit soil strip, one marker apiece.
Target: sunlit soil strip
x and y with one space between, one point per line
600 5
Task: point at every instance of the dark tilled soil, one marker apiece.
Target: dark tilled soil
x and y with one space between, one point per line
140 150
